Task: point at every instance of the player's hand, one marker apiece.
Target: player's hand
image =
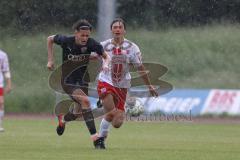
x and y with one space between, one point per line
153 91
50 65
7 89
105 69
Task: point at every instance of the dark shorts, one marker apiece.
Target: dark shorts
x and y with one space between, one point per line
70 84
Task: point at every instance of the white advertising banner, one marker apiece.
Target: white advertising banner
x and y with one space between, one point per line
222 101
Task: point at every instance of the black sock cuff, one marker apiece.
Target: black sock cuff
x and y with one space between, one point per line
70 117
89 120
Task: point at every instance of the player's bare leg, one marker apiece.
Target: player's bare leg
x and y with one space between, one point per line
108 103
1 113
113 115
81 108
110 110
82 99
118 118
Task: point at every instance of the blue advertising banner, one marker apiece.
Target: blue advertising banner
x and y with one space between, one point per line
178 101
194 101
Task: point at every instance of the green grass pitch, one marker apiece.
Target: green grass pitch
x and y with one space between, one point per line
36 139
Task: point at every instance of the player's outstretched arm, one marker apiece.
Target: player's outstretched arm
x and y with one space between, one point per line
144 75
8 86
106 61
50 42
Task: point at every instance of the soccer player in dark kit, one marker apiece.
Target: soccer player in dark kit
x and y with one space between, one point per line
76 51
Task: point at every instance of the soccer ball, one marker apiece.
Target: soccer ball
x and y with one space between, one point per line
134 107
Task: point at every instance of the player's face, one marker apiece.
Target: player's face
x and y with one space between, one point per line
118 30
82 36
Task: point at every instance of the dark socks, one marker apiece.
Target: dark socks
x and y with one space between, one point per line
70 117
89 120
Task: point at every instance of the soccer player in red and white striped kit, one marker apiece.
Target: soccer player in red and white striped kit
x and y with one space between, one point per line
4 74
113 85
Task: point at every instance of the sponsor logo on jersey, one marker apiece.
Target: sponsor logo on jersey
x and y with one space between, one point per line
72 57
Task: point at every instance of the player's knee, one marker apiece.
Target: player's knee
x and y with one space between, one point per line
117 121
76 98
117 124
85 102
109 117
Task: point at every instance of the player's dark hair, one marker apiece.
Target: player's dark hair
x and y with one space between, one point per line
118 20
82 24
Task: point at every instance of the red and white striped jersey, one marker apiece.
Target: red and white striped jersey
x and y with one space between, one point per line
120 56
4 66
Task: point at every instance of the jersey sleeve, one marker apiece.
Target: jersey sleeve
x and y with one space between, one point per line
96 47
5 64
60 39
136 56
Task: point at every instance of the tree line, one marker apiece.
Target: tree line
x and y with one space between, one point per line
29 14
